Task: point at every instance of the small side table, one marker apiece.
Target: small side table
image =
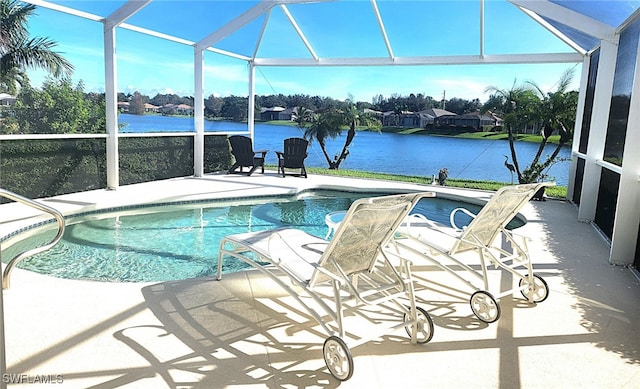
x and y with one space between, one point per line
259 161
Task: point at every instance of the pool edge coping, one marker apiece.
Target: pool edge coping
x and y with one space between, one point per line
19 223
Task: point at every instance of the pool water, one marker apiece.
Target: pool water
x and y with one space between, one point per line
181 241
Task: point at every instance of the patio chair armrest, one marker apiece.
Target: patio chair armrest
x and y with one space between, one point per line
263 152
453 214
521 237
280 154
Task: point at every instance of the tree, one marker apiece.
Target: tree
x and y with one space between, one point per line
327 125
556 111
528 104
462 106
58 108
331 123
304 116
19 52
163 99
234 108
124 98
136 105
515 105
213 105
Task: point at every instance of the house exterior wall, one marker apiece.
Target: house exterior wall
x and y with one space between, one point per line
469 120
604 171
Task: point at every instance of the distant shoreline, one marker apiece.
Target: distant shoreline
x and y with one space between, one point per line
554 139
488 135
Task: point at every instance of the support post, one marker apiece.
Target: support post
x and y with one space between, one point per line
577 128
252 100
111 100
198 116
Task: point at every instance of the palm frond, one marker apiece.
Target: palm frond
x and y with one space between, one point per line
13 22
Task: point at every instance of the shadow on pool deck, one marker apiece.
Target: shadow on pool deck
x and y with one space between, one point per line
551 344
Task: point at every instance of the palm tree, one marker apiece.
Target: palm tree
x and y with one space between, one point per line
332 122
515 107
19 52
556 112
304 116
525 104
327 125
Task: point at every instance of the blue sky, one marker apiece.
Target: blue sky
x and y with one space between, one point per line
151 65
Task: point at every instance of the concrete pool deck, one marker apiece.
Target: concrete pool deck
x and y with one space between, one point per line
243 332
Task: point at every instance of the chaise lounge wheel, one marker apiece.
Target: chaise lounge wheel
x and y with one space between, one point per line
536 293
338 358
425 326
485 306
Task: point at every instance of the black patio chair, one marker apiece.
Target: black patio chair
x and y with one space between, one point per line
242 150
293 156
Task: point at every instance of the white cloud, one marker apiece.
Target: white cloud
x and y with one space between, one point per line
462 88
81 51
165 91
226 73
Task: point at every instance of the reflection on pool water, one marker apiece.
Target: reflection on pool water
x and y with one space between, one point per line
181 241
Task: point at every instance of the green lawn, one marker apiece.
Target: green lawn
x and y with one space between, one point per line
554 191
554 139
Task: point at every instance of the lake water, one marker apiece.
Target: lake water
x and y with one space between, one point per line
422 155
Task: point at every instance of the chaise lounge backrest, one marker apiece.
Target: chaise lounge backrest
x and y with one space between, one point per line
495 215
366 228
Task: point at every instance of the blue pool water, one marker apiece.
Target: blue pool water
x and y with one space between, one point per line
181 241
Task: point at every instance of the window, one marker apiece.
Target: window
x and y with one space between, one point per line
577 184
607 201
621 95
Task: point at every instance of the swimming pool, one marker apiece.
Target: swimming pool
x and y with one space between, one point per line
180 241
